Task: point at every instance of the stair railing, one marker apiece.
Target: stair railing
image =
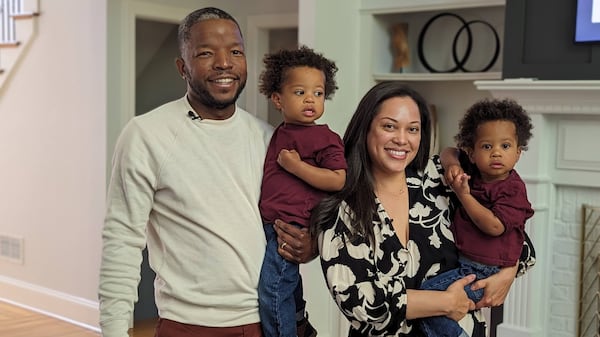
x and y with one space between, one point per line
8 8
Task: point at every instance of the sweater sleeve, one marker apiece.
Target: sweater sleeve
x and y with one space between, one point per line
130 196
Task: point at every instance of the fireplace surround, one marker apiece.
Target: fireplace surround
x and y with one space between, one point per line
562 171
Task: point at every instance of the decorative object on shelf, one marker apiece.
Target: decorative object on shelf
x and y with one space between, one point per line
458 61
496 49
399 44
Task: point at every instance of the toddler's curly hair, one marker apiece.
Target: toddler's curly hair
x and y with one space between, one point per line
487 110
277 64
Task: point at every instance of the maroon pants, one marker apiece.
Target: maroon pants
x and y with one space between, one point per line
168 328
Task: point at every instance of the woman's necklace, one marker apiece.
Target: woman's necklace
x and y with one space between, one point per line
395 204
392 193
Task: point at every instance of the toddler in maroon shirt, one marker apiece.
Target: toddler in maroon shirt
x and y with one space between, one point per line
489 226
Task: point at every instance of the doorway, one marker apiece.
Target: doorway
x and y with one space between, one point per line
156 82
284 38
156 78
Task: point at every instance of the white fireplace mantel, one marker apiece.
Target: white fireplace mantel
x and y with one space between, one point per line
564 151
578 97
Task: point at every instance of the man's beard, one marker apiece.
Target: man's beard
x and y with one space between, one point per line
209 100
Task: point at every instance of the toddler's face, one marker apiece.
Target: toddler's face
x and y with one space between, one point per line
496 149
302 96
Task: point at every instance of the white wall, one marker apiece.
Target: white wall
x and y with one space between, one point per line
339 42
319 29
52 154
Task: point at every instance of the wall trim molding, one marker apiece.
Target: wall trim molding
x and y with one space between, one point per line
257 45
548 97
72 309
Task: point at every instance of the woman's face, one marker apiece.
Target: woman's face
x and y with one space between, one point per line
394 136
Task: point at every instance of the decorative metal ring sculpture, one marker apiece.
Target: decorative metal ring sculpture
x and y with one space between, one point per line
496 50
459 62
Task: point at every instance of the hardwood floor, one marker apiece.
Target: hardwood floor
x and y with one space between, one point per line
19 322
143 328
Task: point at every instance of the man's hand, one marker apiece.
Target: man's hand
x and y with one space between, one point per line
295 244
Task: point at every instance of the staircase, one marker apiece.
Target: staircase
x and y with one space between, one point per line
17 28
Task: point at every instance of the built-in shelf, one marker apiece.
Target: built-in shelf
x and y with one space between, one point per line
415 77
444 34
451 92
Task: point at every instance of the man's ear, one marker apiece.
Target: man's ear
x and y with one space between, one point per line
276 99
180 64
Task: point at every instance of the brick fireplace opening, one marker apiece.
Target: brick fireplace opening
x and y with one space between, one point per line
562 171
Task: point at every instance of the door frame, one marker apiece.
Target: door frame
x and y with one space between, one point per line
257 45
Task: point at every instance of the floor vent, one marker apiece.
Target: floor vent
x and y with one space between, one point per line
11 248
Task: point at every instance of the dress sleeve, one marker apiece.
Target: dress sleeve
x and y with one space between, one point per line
527 259
367 294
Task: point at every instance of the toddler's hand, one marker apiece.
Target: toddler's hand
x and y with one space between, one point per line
288 159
452 172
460 184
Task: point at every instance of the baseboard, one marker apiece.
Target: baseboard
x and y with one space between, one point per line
75 310
507 330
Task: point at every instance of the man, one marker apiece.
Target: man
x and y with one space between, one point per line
186 183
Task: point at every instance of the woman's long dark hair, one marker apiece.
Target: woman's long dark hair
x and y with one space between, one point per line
358 191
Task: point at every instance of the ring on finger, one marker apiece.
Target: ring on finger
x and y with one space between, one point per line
283 245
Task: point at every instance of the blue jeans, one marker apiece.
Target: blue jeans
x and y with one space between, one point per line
442 326
279 291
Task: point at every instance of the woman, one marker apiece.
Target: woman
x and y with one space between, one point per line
388 230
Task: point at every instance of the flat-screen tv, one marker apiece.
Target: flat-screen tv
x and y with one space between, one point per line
587 22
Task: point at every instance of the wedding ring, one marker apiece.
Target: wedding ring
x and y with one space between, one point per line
283 245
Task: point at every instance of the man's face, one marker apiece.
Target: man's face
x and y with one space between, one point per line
214 66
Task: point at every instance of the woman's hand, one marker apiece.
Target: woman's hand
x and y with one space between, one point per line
495 287
460 303
295 244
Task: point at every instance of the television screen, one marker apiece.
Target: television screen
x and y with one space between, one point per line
587 22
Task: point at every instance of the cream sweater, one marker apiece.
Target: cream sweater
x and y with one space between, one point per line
190 189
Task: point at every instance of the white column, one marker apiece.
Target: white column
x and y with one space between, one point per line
522 314
526 310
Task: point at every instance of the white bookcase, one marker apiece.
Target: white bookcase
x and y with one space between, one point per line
451 92
438 39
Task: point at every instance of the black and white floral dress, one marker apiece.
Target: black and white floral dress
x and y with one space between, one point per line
369 283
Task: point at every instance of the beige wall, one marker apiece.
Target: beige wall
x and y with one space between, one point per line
52 154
